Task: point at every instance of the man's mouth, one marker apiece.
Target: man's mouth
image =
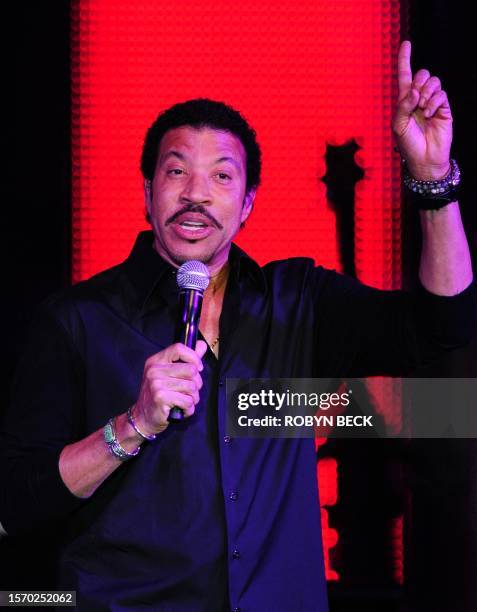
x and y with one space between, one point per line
194 219
193 226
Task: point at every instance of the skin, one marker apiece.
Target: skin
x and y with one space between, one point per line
422 126
189 184
191 179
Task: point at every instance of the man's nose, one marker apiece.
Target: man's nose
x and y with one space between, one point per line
196 190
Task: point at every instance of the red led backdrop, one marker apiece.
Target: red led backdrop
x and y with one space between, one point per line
304 74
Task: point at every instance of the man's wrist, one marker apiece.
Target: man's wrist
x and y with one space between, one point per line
150 437
128 438
428 173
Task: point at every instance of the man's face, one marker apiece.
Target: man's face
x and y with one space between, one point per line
197 200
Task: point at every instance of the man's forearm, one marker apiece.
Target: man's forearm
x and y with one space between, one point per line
445 266
87 463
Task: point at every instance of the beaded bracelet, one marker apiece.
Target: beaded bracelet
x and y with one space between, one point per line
432 195
114 445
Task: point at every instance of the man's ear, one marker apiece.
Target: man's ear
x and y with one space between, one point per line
248 204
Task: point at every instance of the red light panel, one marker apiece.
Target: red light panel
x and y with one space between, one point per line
304 74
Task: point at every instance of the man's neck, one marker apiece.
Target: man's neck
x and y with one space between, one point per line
219 280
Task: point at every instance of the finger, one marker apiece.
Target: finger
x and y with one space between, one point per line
165 400
201 348
181 352
178 369
404 68
185 402
177 352
420 79
438 103
158 373
430 87
404 109
186 387
197 380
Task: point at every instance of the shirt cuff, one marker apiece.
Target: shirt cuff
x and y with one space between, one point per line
37 494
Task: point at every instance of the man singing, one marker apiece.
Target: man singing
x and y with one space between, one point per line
180 517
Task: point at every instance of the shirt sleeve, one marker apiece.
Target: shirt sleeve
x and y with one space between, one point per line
44 415
363 331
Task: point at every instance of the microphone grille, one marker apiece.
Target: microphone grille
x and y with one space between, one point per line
193 275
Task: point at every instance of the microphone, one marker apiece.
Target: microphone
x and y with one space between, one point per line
193 279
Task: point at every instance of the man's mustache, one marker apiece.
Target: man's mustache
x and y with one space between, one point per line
194 208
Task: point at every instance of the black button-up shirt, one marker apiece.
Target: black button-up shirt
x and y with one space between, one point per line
198 521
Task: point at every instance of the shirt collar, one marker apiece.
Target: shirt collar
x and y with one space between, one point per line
244 267
145 268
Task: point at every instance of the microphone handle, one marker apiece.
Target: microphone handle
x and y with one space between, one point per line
190 306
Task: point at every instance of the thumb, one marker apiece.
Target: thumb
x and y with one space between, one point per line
201 348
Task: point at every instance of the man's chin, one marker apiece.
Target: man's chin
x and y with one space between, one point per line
181 259
178 253
195 252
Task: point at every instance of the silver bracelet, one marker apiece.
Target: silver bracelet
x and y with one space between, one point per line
432 195
114 445
433 189
132 422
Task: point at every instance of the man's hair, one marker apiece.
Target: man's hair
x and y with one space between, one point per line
200 113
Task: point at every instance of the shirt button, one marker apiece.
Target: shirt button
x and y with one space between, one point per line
221 382
233 496
227 439
236 554
236 610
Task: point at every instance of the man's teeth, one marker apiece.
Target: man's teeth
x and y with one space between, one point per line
193 225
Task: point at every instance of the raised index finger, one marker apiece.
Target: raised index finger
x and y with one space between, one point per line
404 68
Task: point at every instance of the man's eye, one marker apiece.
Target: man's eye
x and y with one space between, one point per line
223 176
175 171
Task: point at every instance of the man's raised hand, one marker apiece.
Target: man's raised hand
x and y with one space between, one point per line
422 123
